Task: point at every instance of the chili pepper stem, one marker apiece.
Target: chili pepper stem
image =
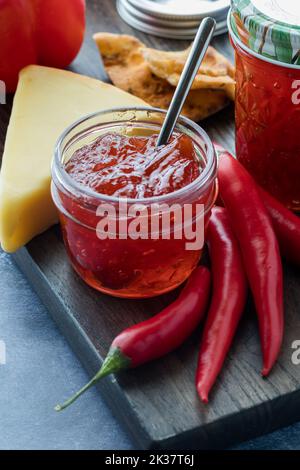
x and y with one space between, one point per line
113 363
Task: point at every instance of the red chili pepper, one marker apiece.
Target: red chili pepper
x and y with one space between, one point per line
286 225
159 335
253 229
228 300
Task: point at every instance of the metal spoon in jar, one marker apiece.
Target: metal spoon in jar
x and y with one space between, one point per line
196 55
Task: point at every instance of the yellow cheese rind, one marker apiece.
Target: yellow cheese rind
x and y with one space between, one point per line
47 100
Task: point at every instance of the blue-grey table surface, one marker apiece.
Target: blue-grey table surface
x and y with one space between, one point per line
41 369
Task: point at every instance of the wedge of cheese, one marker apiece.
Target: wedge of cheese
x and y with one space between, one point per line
46 102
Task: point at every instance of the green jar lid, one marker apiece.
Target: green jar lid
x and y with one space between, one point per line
270 28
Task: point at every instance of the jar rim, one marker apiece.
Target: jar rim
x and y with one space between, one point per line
205 177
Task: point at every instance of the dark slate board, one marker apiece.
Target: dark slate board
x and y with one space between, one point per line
158 403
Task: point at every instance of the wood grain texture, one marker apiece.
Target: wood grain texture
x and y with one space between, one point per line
158 403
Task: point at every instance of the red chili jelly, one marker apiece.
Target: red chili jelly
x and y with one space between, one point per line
267 126
133 167
113 168
266 37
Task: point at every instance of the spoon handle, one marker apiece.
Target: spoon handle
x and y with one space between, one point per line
189 72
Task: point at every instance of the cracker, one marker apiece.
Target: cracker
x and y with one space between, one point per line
216 72
124 58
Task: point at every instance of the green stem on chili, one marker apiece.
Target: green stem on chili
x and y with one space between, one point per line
159 334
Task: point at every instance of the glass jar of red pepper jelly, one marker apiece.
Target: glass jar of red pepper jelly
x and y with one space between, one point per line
133 216
266 38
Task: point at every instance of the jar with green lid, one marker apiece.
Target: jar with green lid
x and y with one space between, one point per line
266 38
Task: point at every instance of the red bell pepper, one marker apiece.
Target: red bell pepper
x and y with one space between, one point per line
45 32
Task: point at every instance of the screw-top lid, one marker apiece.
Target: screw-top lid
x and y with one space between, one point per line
270 28
178 19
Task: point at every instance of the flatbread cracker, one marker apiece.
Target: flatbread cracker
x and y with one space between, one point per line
216 72
124 60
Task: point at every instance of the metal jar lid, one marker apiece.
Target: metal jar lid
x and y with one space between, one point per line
178 19
269 28
181 9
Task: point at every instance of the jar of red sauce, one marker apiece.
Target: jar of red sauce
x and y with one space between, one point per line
120 264
266 38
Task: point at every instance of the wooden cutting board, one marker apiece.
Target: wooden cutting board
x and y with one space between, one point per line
157 403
